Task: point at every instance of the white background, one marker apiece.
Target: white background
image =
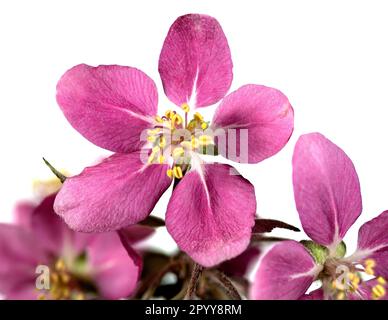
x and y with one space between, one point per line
329 57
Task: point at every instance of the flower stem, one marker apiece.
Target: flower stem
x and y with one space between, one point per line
225 281
192 287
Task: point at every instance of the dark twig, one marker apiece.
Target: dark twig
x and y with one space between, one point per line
192 287
58 174
225 281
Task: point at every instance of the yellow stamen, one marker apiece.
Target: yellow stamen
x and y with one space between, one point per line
194 143
169 173
60 265
152 132
378 291
42 296
369 270
381 280
158 119
370 263
178 152
65 278
151 158
198 117
340 295
169 114
185 107
151 139
204 125
205 140
80 296
176 120
162 142
161 159
177 172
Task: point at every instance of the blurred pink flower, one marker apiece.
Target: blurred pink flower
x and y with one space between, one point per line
211 211
81 266
328 199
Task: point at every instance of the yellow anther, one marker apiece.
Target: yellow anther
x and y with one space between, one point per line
177 172
162 142
378 291
169 114
198 117
370 263
152 132
169 173
351 276
356 281
151 139
204 125
158 119
369 270
65 278
151 158
205 140
161 159
79 296
178 152
176 120
381 280
185 107
341 295
155 149
41 296
60 265
194 143
334 284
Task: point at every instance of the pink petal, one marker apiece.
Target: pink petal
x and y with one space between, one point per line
20 254
211 213
137 233
48 227
108 105
23 212
241 265
26 291
284 273
115 271
326 189
116 193
373 242
195 59
263 113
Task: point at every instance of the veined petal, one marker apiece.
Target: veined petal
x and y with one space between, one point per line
373 243
195 59
118 192
211 214
108 105
20 254
23 212
284 273
326 189
115 272
253 123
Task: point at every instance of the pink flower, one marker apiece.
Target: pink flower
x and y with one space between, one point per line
211 210
80 266
328 199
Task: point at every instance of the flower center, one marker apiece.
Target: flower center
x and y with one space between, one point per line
342 279
66 284
174 139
